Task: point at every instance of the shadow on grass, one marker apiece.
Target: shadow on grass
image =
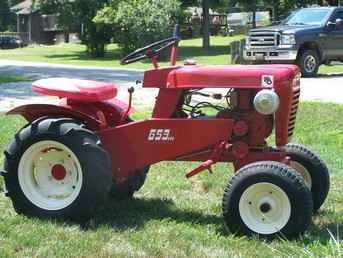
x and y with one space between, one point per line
325 232
135 213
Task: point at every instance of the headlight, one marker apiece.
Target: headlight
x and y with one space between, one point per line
266 102
288 39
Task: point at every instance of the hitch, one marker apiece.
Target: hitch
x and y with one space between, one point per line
214 158
131 90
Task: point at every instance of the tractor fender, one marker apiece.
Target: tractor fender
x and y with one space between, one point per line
32 112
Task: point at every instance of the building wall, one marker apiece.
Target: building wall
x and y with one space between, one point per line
38 35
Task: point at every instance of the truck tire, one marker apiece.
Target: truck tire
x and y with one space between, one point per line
56 169
309 63
125 190
314 171
268 199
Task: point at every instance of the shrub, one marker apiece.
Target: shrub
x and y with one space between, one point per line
140 22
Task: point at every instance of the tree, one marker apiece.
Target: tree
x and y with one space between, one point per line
206 24
4 14
139 22
94 35
81 12
205 5
7 19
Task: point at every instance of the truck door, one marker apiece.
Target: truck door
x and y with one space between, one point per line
335 38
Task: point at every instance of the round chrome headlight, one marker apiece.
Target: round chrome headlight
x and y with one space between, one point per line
266 102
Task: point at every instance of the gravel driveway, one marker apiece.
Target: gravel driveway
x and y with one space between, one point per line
325 88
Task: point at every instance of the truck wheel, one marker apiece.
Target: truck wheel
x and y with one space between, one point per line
55 169
268 199
309 63
314 171
126 189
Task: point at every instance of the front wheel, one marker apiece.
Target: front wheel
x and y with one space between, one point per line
309 63
314 171
54 168
268 199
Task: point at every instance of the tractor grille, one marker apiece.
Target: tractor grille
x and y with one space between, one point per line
294 106
264 39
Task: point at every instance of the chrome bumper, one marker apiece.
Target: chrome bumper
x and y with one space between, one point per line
270 54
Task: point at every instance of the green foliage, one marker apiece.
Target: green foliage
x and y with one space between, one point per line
140 22
81 13
4 78
95 36
280 7
7 19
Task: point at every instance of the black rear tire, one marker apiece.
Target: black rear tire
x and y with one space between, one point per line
309 63
95 174
126 190
258 197
319 181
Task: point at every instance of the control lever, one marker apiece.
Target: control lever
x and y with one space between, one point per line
123 118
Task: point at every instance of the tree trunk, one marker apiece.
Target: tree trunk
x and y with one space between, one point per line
254 19
276 10
206 24
253 9
66 36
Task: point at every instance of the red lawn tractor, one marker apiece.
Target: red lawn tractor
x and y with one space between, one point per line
70 156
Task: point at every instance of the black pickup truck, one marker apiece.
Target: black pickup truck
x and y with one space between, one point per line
309 37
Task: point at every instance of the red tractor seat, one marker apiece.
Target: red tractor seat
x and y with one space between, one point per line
80 90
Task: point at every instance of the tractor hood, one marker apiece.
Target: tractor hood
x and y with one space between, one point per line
237 76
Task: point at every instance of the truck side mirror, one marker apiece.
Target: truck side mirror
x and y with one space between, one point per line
339 24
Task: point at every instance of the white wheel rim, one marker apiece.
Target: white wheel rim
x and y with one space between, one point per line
303 172
41 176
264 208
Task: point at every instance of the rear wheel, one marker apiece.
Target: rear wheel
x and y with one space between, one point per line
314 171
268 199
126 189
56 169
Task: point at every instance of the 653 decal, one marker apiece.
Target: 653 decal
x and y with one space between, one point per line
160 135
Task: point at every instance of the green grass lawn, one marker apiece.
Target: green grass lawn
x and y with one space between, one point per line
75 54
4 78
175 217
335 69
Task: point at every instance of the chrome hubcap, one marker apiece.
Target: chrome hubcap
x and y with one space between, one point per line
310 64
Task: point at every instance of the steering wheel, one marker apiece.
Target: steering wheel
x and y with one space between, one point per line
149 51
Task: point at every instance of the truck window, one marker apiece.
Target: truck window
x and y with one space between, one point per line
308 17
338 15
